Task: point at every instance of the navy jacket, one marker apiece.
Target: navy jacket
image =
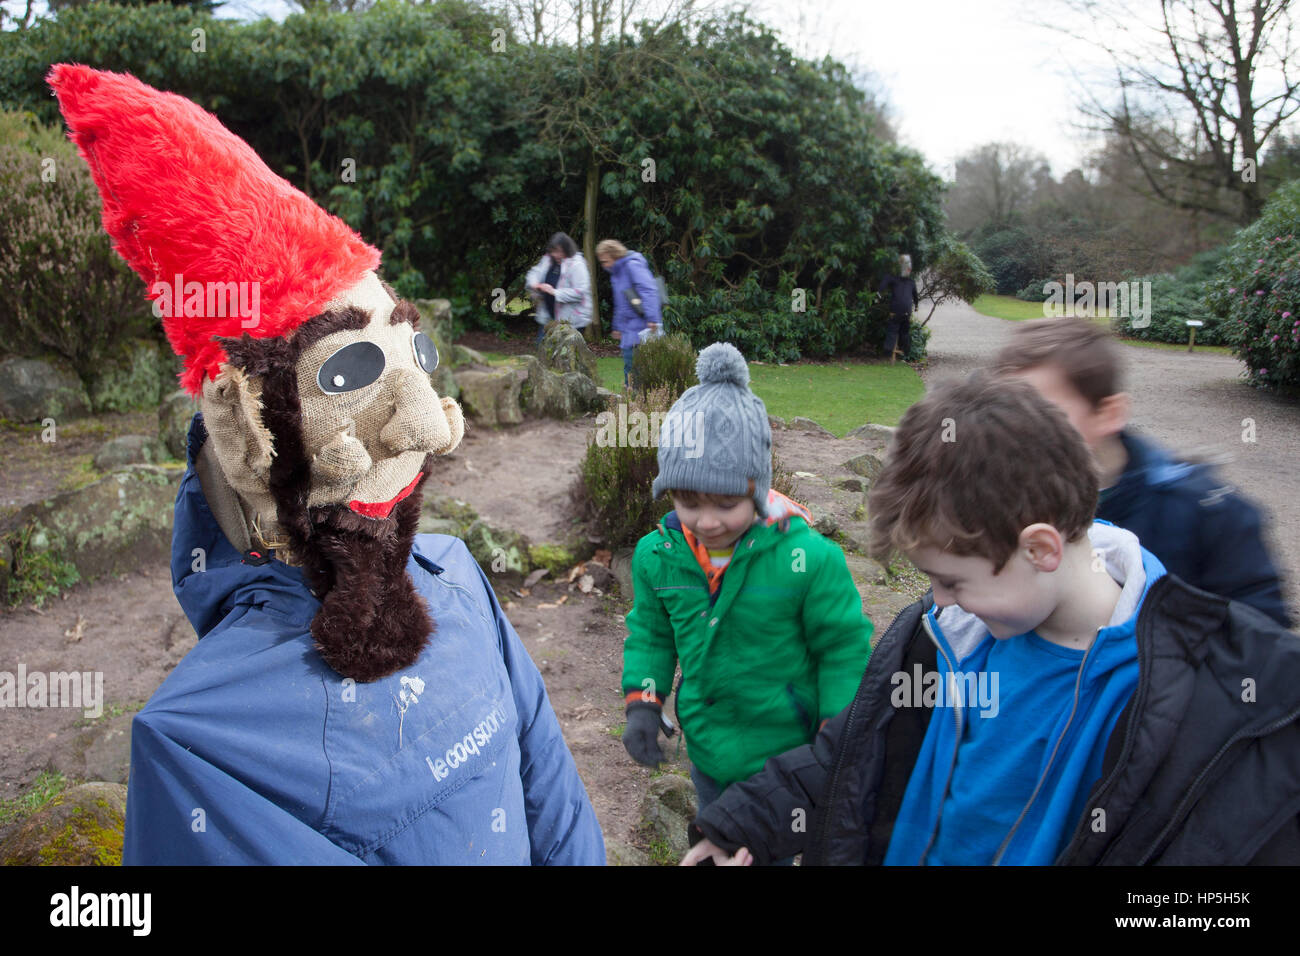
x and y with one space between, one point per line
903 297
1199 528
254 751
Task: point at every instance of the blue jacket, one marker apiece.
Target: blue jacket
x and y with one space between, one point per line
254 751
1198 527
632 272
1071 748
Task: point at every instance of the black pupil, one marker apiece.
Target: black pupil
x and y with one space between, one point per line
351 367
426 352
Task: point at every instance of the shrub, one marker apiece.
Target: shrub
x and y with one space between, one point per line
665 362
1175 297
611 495
1256 293
1034 292
62 287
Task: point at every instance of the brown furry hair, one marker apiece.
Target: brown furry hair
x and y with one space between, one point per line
973 464
1084 352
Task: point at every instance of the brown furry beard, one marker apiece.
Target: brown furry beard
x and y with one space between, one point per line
372 622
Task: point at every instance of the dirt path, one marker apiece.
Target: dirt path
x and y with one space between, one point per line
1189 402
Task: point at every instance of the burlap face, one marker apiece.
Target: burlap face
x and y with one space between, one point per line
368 444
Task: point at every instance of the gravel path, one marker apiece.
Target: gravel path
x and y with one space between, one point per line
1185 401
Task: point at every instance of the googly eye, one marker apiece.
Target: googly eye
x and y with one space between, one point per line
354 366
426 353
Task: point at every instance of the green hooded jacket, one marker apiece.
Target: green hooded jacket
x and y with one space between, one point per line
781 647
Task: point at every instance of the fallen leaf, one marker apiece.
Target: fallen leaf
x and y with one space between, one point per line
75 632
520 592
576 572
804 474
550 607
536 576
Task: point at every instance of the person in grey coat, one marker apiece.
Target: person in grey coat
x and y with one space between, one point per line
560 285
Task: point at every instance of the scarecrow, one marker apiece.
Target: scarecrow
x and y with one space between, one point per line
357 694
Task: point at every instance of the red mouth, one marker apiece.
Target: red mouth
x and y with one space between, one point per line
382 509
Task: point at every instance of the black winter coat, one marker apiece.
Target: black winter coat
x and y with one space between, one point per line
1193 773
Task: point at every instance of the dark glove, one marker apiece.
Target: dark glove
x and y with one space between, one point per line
641 736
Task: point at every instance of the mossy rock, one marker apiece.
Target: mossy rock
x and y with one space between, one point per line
490 396
111 526
134 375
174 417
129 450
80 827
565 350
554 557
463 355
497 550
445 506
32 390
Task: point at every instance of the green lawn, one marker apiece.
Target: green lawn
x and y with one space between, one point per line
839 397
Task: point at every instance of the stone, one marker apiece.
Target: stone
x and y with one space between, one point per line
604 396
435 322
543 393
440 505
583 395
463 355
565 350
128 450
776 422
802 424
497 550
669 806
601 576
491 396
32 390
174 416
436 312
111 526
618 853
865 570
871 431
80 827
866 465
134 375
826 524
620 564
855 535
850 484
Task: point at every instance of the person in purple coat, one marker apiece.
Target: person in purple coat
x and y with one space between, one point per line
636 297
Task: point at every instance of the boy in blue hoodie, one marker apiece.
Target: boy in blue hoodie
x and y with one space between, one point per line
1059 698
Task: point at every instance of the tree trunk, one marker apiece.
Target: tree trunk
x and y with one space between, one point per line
593 331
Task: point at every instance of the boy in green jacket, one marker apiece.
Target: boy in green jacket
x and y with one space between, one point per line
759 608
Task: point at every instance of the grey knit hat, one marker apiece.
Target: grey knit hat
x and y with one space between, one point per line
716 437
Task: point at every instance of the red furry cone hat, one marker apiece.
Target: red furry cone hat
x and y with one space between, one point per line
183 196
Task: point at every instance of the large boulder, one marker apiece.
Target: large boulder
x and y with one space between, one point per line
435 322
548 394
174 417
800 423
35 389
112 526
100 752
464 355
872 431
135 374
80 827
565 350
490 396
128 450
866 465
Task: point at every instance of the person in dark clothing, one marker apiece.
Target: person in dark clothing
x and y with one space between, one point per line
903 300
1133 719
1199 527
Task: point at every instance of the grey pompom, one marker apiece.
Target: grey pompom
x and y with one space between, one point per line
722 362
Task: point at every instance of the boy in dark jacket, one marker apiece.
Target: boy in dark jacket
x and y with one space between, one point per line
1058 698
1199 528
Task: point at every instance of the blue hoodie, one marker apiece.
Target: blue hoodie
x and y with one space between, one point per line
254 751
1006 766
632 272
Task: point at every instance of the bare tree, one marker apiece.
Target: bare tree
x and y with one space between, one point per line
1196 100
995 183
